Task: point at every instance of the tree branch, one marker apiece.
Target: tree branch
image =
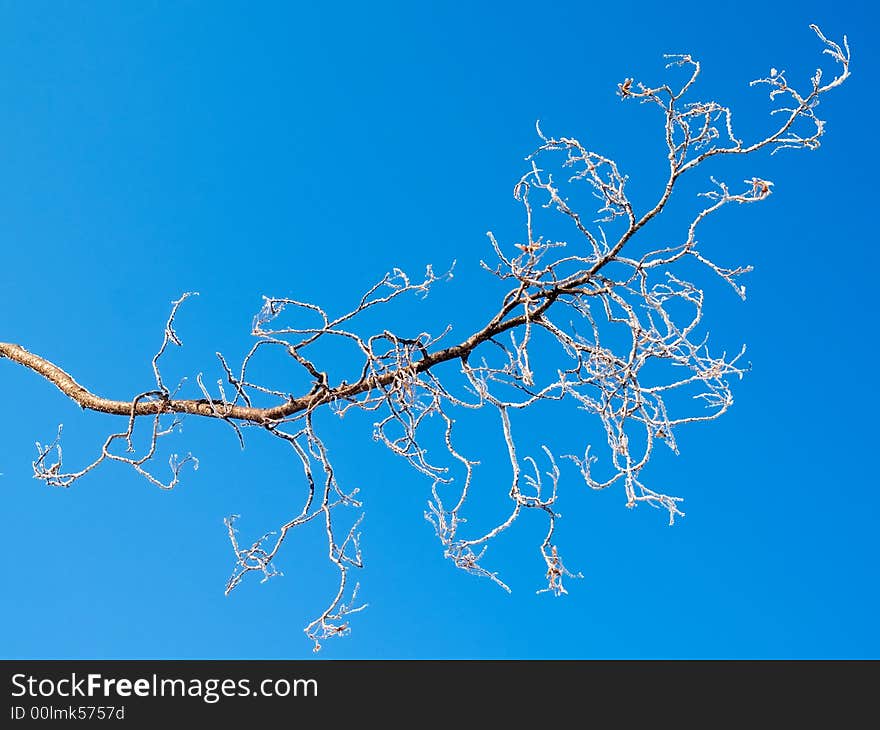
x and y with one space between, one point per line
607 325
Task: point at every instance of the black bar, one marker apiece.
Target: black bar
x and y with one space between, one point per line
245 691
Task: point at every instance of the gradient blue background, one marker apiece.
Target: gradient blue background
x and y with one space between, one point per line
287 149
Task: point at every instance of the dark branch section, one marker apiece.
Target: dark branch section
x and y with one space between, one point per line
589 318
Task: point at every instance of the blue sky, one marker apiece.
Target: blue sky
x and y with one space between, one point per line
147 149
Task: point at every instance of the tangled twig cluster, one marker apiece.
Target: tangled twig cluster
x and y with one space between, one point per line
612 323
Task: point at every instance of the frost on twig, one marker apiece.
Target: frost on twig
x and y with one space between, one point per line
601 316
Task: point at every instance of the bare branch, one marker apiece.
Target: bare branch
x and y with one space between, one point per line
602 320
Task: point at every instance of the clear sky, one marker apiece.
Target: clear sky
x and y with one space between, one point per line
293 149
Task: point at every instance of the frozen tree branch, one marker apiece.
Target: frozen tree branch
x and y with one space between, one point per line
601 318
